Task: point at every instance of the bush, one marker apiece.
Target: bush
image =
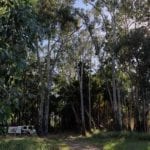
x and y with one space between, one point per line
3 130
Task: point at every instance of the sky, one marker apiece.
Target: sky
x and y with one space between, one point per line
80 4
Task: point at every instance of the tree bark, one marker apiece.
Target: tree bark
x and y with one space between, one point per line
114 40
49 83
41 93
83 130
115 106
119 109
76 115
89 85
92 120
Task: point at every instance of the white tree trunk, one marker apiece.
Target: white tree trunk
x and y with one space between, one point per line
41 93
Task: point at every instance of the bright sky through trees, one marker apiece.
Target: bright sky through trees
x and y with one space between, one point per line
80 4
75 65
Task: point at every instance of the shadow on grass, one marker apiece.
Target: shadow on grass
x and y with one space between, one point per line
120 141
127 144
101 140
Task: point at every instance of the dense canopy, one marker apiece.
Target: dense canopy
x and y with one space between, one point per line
64 68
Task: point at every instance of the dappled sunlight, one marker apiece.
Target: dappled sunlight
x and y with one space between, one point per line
64 147
8 138
112 144
97 140
120 141
31 143
74 75
93 132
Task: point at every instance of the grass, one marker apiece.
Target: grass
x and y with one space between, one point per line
31 143
120 140
102 140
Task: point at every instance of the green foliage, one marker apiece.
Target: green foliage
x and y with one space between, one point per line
30 144
18 31
26 26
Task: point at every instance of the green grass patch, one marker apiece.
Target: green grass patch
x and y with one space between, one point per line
31 143
102 140
120 140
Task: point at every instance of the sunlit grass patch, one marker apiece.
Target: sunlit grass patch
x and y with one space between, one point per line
93 132
110 145
31 143
126 145
120 140
102 140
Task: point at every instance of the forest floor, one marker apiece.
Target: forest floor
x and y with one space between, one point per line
98 141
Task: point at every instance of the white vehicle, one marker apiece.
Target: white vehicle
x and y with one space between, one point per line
21 130
28 130
13 130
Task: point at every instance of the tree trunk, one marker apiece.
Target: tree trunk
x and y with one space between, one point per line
89 85
114 40
119 109
41 93
41 108
49 75
76 115
83 130
92 120
49 83
115 107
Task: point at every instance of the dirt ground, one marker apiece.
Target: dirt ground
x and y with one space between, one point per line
75 143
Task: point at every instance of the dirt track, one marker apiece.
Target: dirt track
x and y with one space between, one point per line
80 146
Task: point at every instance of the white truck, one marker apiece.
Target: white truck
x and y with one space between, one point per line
26 129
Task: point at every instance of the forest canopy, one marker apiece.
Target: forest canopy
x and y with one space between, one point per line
64 68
